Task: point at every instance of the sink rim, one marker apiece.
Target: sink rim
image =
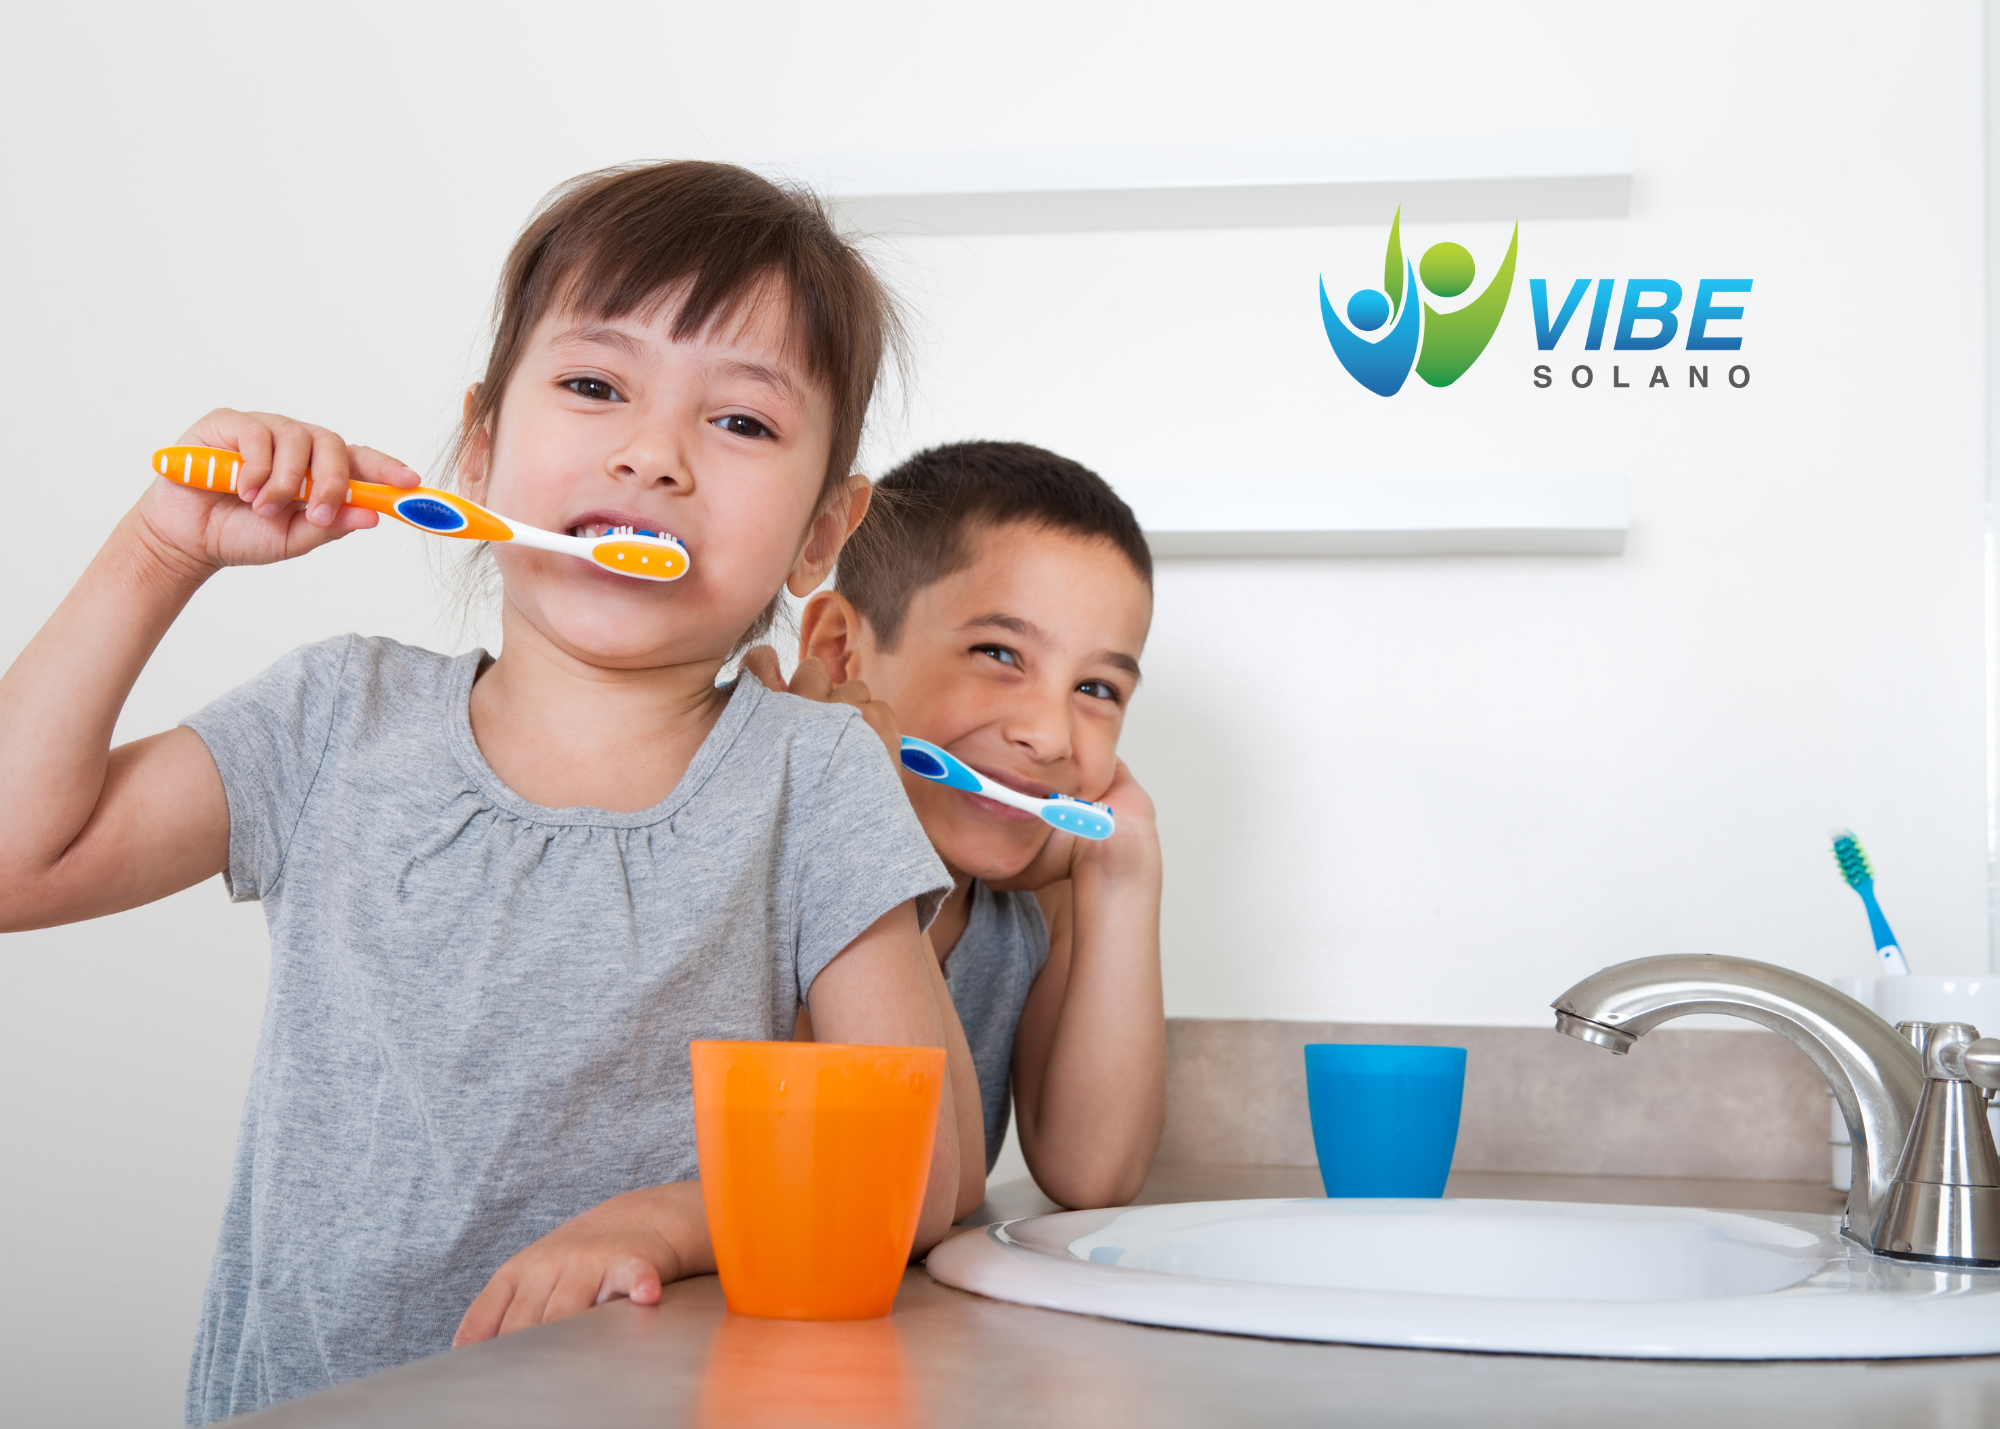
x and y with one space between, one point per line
1473 1239
1856 1306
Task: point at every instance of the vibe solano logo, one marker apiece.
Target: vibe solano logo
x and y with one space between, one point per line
1438 346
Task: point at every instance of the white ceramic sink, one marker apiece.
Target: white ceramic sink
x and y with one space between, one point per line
1534 1277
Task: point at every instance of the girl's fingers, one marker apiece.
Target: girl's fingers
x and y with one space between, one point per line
531 1299
330 471
482 1317
353 518
636 1279
367 464
291 464
574 1292
258 448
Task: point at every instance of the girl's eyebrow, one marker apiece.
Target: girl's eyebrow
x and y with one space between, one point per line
775 378
762 373
598 335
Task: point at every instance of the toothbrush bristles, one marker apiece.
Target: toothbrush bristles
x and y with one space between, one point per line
1852 861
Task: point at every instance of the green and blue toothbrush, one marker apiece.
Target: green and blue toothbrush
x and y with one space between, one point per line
1861 878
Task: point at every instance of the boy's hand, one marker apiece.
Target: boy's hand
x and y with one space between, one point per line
621 1247
811 682
259 522
1133 849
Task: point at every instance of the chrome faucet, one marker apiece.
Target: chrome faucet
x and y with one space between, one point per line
1926 1182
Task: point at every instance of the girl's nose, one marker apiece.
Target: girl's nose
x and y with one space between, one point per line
652 456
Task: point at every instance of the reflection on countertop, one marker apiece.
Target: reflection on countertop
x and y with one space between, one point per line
948 1358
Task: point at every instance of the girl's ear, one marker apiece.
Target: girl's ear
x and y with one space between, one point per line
830 632
828 533
475 447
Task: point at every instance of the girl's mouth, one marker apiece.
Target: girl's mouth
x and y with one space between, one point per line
614 523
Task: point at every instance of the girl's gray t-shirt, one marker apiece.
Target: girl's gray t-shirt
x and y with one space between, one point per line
480 1008
989 971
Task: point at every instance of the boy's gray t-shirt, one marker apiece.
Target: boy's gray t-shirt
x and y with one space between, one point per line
480 1008
989 971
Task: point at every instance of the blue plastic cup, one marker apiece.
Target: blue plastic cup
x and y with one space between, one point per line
1384 1119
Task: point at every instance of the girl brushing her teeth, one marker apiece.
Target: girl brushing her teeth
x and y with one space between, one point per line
504 892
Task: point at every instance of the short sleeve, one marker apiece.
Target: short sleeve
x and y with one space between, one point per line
267 738
860 851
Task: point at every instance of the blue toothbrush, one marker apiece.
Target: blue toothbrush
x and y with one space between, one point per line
1861 878
1072 816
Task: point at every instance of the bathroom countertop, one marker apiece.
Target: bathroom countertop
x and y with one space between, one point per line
948 1358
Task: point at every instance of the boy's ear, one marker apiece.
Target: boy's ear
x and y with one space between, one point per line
830 632
828 533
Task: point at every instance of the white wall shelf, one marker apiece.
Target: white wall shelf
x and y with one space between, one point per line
1585 174
1386 516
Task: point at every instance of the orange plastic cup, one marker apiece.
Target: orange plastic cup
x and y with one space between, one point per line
814 1159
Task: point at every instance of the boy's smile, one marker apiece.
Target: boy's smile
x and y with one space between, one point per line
1022 664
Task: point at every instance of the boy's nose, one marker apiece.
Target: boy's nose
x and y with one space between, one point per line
1040 728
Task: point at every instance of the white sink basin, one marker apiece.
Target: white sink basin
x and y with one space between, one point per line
1535 1277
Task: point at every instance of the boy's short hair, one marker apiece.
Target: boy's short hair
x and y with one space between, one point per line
623 240
916 531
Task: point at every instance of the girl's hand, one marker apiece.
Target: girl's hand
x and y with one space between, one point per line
620 1248
1133 850
260 521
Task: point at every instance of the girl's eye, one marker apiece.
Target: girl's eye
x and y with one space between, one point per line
596 389
1099 690
998 652
738 425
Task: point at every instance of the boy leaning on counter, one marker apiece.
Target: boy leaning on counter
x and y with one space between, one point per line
995 601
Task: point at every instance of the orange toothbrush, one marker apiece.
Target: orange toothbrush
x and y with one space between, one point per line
646 555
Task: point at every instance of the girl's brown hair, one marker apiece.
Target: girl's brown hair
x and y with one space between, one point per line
713 236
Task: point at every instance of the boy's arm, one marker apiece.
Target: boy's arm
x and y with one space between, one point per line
86 829
1090 1052
875 991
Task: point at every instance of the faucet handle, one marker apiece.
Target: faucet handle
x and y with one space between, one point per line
1967 1057
1945 1202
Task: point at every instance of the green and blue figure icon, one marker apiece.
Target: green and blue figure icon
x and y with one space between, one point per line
1437 346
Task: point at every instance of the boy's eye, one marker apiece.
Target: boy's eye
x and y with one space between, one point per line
738 425
1099 690
998 652
595 389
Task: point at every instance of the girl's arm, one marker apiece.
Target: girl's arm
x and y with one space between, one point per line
811 682
1090 1053
879 990
961 1094
876 991
85 829
963 1082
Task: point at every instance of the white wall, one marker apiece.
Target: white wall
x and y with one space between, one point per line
1399 790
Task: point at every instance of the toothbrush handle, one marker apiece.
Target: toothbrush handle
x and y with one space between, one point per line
1893 961
442 513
